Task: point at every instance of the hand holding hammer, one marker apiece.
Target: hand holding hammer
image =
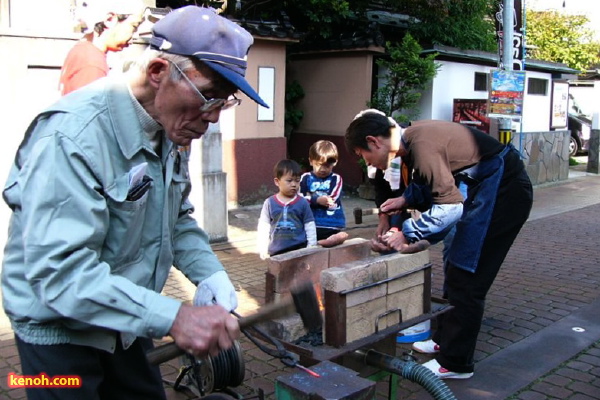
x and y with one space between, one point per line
203 331
303 300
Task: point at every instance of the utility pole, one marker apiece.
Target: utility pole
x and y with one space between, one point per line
508 27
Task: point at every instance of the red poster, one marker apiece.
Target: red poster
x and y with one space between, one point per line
472 112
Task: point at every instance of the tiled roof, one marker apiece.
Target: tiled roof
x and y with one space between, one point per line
280 29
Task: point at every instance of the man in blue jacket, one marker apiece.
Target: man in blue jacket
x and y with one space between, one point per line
99 193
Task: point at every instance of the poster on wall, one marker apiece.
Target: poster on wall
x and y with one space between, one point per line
506 92
560 104
472 112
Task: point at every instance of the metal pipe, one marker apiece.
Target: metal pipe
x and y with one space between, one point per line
410 370
508 28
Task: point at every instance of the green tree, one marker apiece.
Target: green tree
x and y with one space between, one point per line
406 74
315 18
561 38
465 24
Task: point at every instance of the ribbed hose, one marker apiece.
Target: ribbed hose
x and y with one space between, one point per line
410 370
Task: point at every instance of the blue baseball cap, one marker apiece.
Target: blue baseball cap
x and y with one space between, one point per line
218 42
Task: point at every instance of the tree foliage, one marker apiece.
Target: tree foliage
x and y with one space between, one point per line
561 38
316 18
466 24
406 74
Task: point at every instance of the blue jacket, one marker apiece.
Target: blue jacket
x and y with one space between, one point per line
83 264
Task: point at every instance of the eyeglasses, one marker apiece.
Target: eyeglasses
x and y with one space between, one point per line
209 104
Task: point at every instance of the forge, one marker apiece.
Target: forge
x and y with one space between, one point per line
365 297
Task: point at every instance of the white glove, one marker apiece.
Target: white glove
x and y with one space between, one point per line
218 289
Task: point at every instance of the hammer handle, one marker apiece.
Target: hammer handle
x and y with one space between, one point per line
269 312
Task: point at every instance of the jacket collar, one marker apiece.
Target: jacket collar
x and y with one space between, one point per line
122 113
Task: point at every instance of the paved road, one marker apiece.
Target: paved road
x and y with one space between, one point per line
527 349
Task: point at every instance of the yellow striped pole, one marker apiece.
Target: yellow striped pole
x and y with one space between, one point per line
504 130
505 136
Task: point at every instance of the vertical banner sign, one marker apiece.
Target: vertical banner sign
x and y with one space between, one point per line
560 104
518 39
506 92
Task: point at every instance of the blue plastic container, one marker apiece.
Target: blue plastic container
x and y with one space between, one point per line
415 333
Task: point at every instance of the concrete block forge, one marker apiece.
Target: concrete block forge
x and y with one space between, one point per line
362 293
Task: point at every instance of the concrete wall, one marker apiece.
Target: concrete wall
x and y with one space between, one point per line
29 80
252 145
457 81
337 86
245 124
453 81
249 165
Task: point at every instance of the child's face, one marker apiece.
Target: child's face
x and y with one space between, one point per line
288 184
322 169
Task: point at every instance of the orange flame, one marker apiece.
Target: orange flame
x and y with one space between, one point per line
320 299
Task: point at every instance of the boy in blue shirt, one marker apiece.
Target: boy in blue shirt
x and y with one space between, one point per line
323 189
286 222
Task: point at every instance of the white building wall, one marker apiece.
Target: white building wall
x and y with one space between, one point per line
457 81
453 81
537 108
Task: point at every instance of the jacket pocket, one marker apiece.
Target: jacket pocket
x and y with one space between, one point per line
123 243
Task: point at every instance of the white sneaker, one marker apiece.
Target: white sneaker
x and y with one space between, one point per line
443 373
426 347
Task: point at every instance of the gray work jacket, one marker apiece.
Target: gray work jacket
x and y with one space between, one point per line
82 263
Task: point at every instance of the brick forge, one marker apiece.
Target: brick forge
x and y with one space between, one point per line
362 293
307 264
367 296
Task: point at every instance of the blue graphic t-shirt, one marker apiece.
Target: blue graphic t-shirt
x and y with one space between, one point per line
312 187
287 222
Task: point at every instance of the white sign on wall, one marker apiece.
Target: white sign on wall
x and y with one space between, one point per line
560 105
266 91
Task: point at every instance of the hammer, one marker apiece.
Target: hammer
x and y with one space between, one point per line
302 301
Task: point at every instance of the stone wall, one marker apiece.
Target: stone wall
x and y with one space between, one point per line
545 154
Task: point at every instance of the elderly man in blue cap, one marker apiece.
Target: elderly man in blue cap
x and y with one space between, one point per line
100 212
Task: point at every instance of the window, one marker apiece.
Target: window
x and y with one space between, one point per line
537 86
481 82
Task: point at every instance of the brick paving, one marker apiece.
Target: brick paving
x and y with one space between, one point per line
551 277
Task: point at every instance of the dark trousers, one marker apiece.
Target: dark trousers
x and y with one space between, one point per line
124 375
458 328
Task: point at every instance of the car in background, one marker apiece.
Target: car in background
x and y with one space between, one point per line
580 127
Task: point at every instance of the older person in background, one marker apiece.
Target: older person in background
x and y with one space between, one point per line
107 25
